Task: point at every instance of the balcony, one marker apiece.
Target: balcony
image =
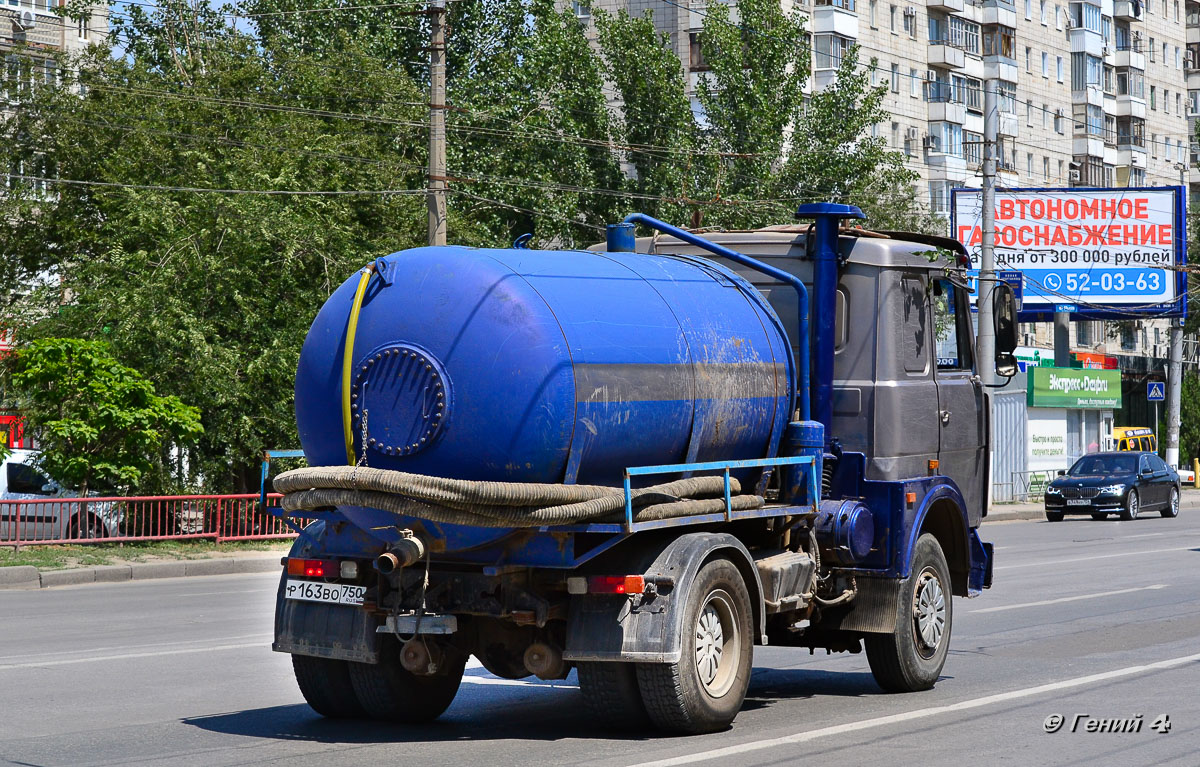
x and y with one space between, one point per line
943 54
1129 106
836 17
1129 10
1130 56
946 6
1000 68
999 12
1089 144
1130 155
1086 41
1008 125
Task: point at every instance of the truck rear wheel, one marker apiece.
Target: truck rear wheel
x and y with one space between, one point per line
704 691
387 691
611 694
911 657
325 685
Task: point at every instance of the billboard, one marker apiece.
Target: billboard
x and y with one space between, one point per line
1097 253
1074 388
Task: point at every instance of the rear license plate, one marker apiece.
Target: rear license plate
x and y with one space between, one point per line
333 593
1078 502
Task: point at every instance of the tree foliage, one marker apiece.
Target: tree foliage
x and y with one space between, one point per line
98 421
218 177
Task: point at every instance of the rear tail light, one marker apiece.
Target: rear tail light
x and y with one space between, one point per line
607 584
312 568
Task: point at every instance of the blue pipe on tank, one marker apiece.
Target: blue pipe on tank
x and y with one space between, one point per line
802 393
825 277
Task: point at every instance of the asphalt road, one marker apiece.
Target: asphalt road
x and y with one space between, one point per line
1100 619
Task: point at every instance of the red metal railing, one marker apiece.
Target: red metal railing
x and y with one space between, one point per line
147 518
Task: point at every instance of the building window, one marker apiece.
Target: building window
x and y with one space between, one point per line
83 26
1151 51
1000 41
1045 64
914 84
910 24
1029 113
895 78
973 148
1153 100
1042 11
872 8
1086 16
583 12
696 53
1028 9
1058 17
829 50
946 137
892 18
1058 68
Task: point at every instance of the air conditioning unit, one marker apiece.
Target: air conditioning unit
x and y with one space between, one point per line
929 75
26 19
912 133
1187 60
910 11
1075 176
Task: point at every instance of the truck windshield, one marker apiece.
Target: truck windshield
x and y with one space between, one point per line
1104 464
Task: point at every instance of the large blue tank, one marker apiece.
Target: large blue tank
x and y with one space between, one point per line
547 366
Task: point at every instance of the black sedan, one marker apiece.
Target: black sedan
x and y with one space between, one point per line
1121 483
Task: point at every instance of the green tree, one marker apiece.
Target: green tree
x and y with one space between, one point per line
98 422
213 194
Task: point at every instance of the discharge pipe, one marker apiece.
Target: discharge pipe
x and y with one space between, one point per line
828 217
621 239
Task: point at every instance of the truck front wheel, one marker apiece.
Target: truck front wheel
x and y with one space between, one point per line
387 691
325 685
704 691
911 657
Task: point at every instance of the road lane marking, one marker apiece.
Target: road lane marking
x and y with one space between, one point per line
1068 599
4 659
1055 562
922 713
491 680
125 656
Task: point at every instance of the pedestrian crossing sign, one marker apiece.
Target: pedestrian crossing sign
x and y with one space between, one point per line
1155 391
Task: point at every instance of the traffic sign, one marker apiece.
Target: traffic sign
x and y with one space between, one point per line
1068 308
1155 391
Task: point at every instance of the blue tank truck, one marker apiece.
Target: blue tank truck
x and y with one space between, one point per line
626 464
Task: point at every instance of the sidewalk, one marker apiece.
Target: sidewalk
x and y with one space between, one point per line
29 577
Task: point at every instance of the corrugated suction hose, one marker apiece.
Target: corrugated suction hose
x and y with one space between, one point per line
498 504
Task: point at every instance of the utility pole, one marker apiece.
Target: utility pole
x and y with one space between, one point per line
437 123
985 333
1175 361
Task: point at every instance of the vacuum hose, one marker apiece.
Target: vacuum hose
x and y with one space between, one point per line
498 504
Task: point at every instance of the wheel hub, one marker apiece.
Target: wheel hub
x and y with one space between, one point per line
929 611
717 645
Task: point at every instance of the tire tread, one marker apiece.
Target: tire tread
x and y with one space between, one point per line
326 687
611 694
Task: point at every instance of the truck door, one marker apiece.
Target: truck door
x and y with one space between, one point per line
962 447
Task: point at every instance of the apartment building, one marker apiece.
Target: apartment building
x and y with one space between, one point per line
1091 93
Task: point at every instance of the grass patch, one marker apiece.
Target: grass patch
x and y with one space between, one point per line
68 556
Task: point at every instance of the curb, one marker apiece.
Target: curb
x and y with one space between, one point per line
28 577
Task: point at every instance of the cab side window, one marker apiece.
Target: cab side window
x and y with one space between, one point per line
951 326
26 479
1123 445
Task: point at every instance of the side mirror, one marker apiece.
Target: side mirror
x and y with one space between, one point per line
1004 323
1062 473
48 488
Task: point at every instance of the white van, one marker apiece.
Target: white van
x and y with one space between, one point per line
53 518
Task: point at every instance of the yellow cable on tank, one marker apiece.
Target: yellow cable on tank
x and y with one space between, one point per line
348 360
